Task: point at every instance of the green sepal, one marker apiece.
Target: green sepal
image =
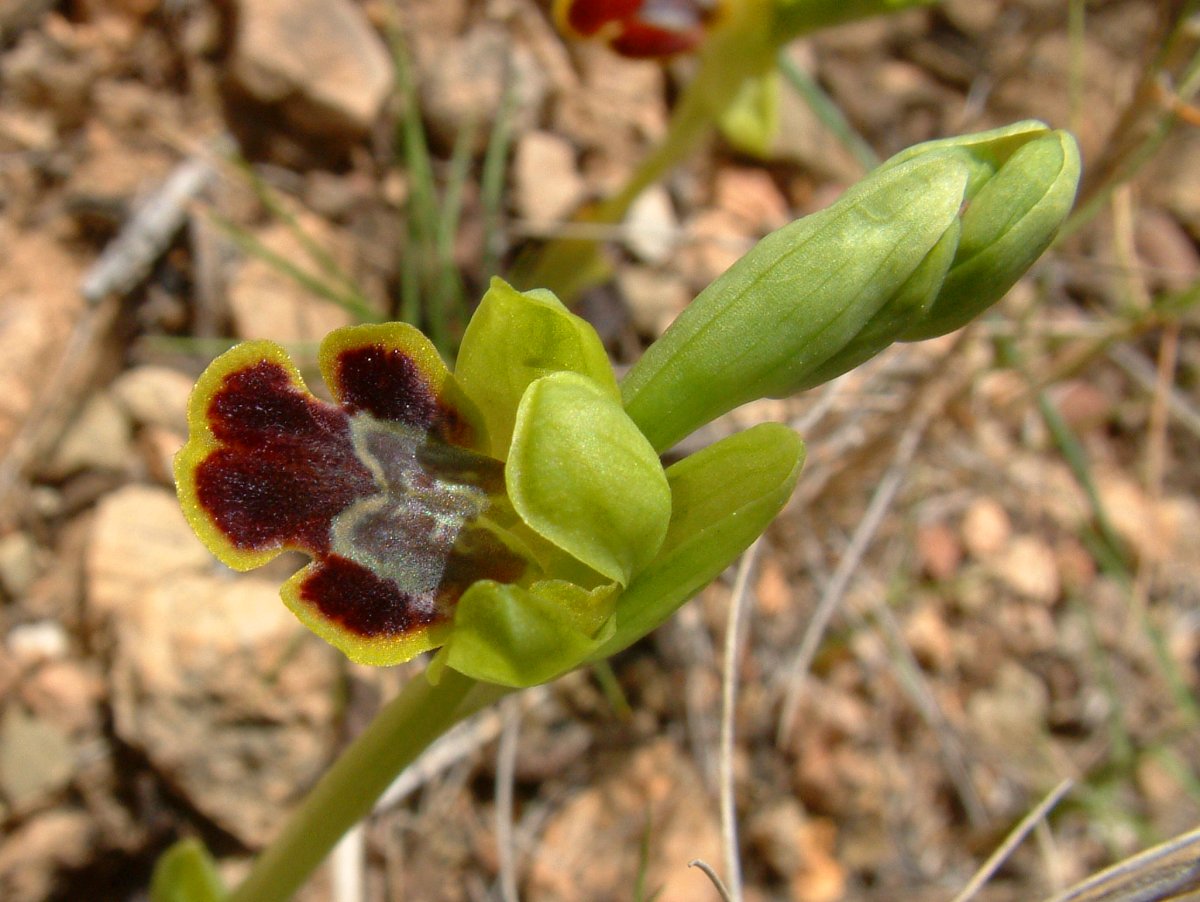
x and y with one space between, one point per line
751 121
908 307
583 477
515 338
520 637
186 873
1008 223
722 498
990 149
795 300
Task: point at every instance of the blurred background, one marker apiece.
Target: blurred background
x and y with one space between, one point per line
986 583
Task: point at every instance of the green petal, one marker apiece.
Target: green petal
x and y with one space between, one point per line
521 637
582 476
722 499
515 338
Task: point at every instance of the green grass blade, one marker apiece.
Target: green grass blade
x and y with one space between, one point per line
451 297
351 302
828 112
495 162
269 198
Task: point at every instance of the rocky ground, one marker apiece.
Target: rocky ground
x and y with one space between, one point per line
1011 604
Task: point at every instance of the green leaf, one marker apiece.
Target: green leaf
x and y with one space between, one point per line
751 121
515 338
186 873
796 299
722 499
521 637
582 476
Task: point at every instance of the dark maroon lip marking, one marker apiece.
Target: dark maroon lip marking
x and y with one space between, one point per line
645 28
287 466
388 385
360 602
369 606
641 41
589 16
385 506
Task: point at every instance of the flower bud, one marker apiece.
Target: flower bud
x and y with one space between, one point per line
1007 224
918 248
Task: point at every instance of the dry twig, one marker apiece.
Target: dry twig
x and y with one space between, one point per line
506 766
1019 832
733 651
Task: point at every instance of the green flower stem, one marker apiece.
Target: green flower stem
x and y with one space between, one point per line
399 733
732 55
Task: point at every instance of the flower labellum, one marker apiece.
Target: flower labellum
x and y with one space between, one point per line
384 489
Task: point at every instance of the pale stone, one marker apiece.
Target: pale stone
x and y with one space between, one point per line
1154 528
36 759
799 848
751 197
654 298
139 540
228 696
651 227
40 306
98 439
265 303
33 854
986 528
589 849
154 396
320 58
1029 568
547 181
462 83
939 550
41 640
20 561
1010 717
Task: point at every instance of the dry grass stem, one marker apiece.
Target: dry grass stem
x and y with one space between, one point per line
506 765
733 648
1145 374
1014 839
455 746
348 867
722 891
1167 873
881 501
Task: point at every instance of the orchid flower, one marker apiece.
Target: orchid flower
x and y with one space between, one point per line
514 513
496 512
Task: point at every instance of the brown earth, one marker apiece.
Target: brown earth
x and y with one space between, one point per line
1001 620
